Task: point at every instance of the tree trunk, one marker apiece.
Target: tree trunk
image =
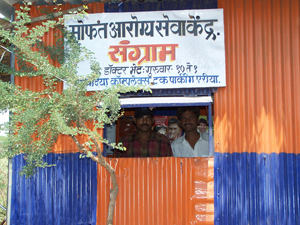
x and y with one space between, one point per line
113 198
113 192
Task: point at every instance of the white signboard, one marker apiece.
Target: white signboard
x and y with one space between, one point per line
164 49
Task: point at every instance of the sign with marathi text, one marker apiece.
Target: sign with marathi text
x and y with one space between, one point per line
164 49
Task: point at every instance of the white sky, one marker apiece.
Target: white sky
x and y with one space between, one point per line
3 119
3 116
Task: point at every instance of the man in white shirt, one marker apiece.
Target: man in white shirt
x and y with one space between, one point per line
203 129
191 144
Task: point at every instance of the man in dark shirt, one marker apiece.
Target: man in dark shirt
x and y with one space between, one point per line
144 142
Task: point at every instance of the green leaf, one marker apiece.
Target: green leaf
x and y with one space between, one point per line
89 154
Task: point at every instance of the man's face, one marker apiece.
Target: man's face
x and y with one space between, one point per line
143 123
174 129
202 127
189 121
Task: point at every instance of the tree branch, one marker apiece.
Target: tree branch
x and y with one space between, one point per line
8 25
83 149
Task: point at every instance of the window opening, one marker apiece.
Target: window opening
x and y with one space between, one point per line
162 116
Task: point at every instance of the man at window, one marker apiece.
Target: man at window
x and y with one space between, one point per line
203 129
191 144
144 142
174 130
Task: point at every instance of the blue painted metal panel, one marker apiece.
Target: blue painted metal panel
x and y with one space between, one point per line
165 112
253 188
128 6
64 194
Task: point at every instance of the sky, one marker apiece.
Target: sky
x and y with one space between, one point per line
3 119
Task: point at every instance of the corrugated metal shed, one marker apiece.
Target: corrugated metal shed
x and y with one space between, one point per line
152 191
258 111
257 119
257 124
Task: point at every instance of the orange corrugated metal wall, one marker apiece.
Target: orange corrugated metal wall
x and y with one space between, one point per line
161 191
259 109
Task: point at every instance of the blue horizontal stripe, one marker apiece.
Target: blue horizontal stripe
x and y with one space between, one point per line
254 189
142 5
60 195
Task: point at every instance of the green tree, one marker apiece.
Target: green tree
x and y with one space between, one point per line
38 118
